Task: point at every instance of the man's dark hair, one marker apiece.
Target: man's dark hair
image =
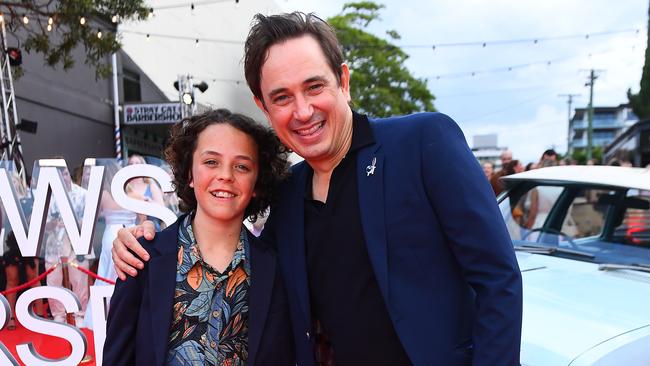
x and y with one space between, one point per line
271 30
547 153
272 157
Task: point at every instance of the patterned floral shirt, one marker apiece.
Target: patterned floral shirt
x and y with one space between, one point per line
210 319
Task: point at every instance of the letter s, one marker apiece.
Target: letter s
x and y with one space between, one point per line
36 324
146 208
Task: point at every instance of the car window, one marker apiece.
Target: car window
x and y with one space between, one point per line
587 212
530 210
635 226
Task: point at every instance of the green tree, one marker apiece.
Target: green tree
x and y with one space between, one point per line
54 28
641 102
380 83
580 156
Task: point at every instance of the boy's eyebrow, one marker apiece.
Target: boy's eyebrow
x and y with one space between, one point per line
211 152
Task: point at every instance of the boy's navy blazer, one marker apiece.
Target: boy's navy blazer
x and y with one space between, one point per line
141 308
439 249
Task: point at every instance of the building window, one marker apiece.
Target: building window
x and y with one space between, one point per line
131 86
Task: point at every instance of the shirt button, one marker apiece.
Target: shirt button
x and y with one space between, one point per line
215 313
213 344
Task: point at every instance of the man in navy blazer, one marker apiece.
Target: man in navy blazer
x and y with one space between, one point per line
389 237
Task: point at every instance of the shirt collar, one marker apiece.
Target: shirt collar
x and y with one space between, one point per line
189 252
362 135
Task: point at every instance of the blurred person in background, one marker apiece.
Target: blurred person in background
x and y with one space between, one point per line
13 261
58 246
511 167
506 157
488 169
144 189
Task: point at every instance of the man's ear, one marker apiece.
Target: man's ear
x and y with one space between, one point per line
345 81
261 106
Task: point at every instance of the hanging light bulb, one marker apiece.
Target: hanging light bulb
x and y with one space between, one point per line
50 21
82 21
148 37
25 19
114 19
99 33
150 12
196 43
49 27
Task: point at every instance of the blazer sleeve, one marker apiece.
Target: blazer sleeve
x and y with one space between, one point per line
122 322
466 207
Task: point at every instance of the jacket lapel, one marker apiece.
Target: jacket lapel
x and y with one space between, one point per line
262 281
294 235
370 183
162 283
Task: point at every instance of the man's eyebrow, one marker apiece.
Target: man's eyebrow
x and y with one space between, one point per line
315 78
277 91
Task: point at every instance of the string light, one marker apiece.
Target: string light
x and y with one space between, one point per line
114 19
148 37
99 33
82 21
150 12
25 19
50 21
432 47
49 27
196 43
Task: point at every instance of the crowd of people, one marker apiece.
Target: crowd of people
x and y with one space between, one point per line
550 157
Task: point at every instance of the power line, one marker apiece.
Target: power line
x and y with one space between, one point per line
509 107
535 40
518 66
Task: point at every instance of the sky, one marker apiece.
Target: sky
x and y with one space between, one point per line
523 106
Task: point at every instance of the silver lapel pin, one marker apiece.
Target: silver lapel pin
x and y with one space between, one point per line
370 169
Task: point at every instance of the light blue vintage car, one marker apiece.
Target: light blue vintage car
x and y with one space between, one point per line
582 236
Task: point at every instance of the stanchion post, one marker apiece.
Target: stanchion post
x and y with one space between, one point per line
69 317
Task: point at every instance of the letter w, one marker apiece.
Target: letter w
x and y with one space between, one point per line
49 184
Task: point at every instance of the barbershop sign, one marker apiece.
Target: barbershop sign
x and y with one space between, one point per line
140 114
50 188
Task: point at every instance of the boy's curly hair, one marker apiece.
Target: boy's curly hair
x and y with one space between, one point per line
272 156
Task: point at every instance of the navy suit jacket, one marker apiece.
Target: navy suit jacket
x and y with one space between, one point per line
439 249
141 308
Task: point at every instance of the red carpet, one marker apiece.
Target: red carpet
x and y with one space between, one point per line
46 346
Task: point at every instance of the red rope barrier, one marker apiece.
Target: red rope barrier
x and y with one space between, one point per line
29 283
91 274
44 274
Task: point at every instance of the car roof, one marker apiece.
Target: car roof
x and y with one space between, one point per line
614 176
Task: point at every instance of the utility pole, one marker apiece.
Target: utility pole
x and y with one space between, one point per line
590 115
569 102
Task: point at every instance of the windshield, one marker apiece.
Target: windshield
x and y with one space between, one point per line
594 224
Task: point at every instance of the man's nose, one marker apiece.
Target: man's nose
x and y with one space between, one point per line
303 109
